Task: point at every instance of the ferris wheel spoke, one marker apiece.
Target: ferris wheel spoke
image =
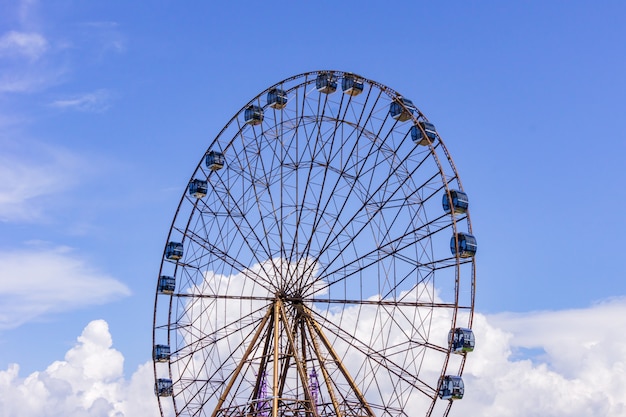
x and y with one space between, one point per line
223 235
320 300
360 211
400 205
332 154
242 362
271 211
242 202
300 204
234 263
203 339
391 249
400 303
265 235
378 358
324 212
342 171
313 276
231 260
314 328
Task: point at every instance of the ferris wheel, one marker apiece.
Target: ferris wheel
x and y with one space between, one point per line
320 262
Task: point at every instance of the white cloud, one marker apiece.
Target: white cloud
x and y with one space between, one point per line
106 36
580 371
569 363
571 337
32 62
31 171
109 35
41 281
23 44
88 383
28 79
25 67
95 102
581 374
27 11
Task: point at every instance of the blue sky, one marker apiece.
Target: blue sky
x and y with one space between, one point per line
106 107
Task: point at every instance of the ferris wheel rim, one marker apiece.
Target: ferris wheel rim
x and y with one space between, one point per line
392 95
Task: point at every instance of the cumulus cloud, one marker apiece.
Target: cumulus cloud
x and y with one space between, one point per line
579 373
569 363
40 281
552 363
88 383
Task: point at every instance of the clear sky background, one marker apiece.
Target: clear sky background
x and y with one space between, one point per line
106 107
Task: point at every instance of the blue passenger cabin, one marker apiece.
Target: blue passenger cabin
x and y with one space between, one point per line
277 98
417 133
460 202
253 115
163 387
461 340
174 251
466 247
326 82
167 284
351 85
161 353
198 188
214 160
451 387
402 109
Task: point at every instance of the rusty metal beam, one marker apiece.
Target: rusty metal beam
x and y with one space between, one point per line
232 380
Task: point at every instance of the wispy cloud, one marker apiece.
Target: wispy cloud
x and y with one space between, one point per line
33 60
94 102
27 11
26 58
106 37
31 171
40 281
28 79
23 44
